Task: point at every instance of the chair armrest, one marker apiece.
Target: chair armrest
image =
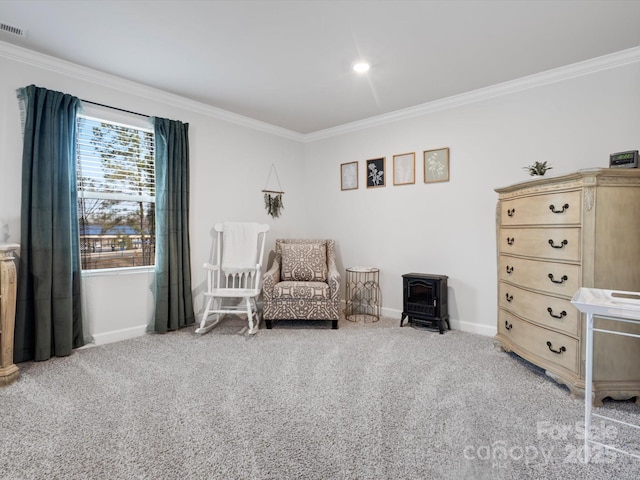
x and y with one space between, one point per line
209 269
333 279
258 276
271 277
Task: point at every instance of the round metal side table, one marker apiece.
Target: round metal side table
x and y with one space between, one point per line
362 294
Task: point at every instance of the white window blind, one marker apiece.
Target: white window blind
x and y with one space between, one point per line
115 161
116 193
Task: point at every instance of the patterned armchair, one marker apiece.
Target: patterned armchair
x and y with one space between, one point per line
303 282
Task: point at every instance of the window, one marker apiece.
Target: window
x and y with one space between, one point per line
116 194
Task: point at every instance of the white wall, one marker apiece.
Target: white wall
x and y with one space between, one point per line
230 162
449 228
446 228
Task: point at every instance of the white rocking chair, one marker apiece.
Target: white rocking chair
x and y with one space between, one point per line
237 275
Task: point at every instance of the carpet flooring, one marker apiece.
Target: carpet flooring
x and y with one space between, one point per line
301 401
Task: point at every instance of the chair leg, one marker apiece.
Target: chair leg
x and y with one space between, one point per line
268 323
251 308
204 328
207 310
334 324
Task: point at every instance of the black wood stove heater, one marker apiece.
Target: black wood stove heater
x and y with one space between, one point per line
425 299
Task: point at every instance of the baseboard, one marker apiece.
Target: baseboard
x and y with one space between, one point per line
117 335
391 313
486 330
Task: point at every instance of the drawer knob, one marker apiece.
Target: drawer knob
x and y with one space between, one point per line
562 243
510 240
508 325
553 208
511 211
562 313
563 279
509 270
509 297
561 350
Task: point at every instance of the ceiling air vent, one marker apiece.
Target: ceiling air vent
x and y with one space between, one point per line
12 30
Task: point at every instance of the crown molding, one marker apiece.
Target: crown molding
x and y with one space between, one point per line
63 67
606 62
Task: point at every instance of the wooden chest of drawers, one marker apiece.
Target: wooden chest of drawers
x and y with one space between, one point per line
555 235
8 283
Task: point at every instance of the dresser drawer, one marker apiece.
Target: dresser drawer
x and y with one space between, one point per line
550 209
553 312
557 278
543 343
548 243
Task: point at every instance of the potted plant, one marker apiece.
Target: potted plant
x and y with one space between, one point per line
538 168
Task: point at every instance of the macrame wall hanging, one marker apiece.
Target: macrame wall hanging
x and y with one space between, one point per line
273 198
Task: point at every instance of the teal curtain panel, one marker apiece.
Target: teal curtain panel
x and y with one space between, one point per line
48 309
173 296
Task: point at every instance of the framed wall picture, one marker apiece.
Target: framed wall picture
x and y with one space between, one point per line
404 169
436 165
349 176
375 173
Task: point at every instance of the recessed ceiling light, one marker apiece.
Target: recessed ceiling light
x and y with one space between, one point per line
361 67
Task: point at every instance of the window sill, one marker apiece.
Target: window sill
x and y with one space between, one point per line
109 272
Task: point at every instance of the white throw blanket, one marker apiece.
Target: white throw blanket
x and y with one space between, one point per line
239 246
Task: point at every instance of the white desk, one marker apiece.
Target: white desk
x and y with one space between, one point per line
616 306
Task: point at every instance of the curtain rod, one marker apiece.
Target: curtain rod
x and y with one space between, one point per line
115 108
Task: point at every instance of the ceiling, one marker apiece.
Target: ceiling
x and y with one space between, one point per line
288 63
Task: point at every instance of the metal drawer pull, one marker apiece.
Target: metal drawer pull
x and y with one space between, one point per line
553 208
511 211
509 297
509 270
510 240
562 313
562 280
562 349
508 325
562 244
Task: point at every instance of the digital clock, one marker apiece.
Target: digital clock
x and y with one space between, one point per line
624 159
